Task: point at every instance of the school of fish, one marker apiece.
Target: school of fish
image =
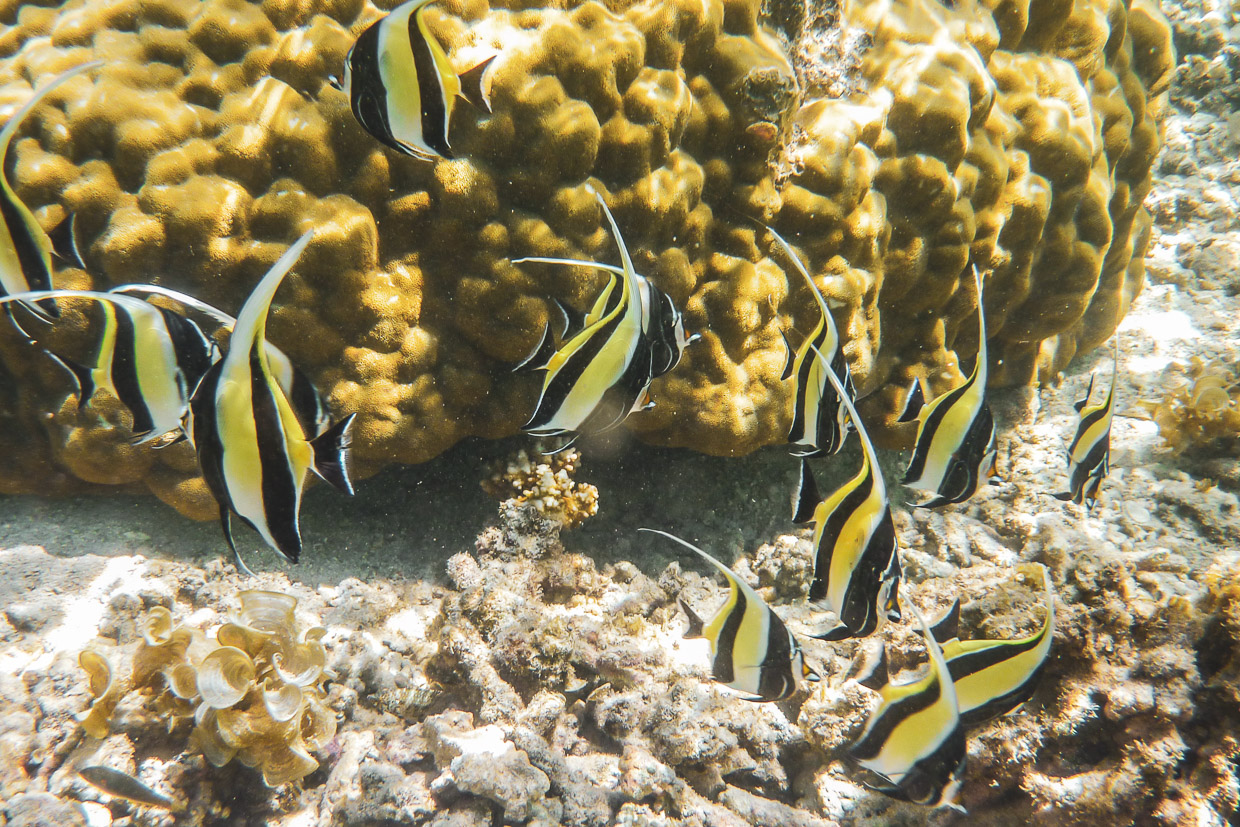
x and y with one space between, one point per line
260 428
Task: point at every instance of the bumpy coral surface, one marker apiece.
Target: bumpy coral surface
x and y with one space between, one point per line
547 483
1019 138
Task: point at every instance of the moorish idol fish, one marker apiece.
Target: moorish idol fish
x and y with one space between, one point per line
252 448
915 739
955 448
602 371
856 559
1089 456
401 87
992 677
148 357
25 249
753 652
305 398
819 421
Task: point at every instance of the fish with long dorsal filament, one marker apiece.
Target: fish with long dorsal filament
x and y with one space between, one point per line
602 370
915 739
856 556
1089 455
148 357
252 449
301 392
955 448
992 677
819 420
751 649
402 88
25 248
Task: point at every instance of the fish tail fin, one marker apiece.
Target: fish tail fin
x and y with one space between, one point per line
331 454
807 496
947 626
473 85
874 674
64 242
914 401
695 621
541 354
84 376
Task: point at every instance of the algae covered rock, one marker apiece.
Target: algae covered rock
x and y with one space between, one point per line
1019 138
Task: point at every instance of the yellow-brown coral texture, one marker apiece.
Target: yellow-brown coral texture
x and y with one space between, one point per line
1019 137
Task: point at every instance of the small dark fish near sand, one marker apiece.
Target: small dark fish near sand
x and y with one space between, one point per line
123 785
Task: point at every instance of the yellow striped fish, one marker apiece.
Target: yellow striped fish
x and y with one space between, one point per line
301 393
601 372
992 677
856 559
752 650
955 448
1089 456
915 740
252 448
148 357
819 421
25 249
401 87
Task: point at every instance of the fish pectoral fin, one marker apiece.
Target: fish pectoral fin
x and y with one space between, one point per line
807 496
835 634
914 401
331 454
83 375
473 85
541 354
64 242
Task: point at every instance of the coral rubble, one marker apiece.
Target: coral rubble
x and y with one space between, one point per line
1020 138
1200 408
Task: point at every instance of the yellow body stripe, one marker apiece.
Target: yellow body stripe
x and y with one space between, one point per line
1092 435
946 440
102 371
853 537
156 369
448 80
396 64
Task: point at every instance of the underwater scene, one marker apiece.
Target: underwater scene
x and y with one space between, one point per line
719 413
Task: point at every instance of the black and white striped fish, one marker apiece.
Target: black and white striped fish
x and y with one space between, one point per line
856 557
1089 456
915 739
992 677
301 392
25 249
148 357
401 87
252 448
955 448
752 650
602 371
819 421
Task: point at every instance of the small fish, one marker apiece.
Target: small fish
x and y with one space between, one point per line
1089 456
856 557
123 785
602 370
301 392
819 421
25 249
252 448
401 87
148 357
753 652
915 739
955 448
992 677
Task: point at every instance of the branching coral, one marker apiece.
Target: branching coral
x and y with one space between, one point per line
254 692
546 483
1200 407
1018 137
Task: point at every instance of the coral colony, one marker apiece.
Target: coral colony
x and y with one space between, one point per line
659 213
